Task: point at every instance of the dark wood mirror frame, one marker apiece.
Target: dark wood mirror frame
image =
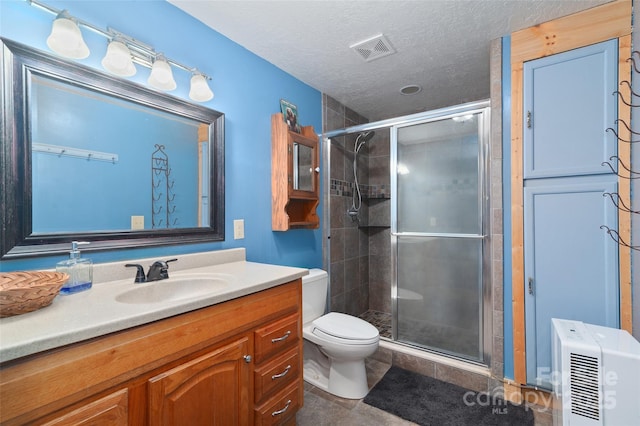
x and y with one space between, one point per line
18 62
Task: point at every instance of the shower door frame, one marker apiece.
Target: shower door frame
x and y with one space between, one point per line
484 121
484 156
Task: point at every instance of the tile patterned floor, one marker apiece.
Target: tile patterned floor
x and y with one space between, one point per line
323 409
380 320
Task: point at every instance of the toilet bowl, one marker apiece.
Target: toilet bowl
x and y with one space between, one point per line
335 344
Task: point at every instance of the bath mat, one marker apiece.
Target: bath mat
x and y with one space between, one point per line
427 401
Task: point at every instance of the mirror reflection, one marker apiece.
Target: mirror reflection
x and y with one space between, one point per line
97 163
93 157
302 167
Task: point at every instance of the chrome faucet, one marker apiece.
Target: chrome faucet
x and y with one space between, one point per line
159 270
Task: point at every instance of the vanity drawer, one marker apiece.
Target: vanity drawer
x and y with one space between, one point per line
282 408
276 374
276 337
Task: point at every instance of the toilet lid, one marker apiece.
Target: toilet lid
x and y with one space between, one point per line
345 327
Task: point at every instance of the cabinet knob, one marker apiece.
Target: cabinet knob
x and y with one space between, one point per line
317 169
247 358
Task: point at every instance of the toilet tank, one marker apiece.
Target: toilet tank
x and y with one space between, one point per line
314 294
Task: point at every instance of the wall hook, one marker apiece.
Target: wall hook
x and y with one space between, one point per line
617 92
616 237
612 130
633 61
631 172
619 202
629 86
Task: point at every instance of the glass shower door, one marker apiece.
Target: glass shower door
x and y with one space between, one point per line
437 235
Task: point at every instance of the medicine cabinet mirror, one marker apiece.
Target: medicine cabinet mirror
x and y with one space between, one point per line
303 167
93 157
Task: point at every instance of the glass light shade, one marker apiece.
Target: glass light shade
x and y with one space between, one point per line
118 59
66 39
200 91
161 76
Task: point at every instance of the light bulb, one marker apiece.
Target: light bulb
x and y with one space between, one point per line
161 76
200 91
66 39
118 59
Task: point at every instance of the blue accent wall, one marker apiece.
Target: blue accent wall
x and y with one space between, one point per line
247 90
506 202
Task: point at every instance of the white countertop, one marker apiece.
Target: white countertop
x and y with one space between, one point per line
96 312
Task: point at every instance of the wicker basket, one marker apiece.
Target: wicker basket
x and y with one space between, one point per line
22 292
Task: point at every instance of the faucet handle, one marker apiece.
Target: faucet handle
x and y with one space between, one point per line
140 277
165 267
159 270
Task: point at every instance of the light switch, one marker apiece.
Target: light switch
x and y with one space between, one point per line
137 222
238 229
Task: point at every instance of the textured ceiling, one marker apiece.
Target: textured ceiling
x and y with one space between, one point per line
441 45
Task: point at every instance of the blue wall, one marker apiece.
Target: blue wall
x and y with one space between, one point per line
247 90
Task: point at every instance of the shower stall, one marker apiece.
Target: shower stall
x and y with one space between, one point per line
408 233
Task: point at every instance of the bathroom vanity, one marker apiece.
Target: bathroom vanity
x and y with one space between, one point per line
235 360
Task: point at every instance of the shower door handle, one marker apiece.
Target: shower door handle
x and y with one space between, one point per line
530 285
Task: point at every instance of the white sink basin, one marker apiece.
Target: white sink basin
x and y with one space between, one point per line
179 287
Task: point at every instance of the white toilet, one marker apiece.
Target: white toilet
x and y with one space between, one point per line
335 344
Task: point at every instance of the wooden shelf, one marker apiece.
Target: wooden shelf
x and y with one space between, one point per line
291 207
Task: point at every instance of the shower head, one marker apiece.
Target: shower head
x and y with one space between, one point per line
362 138
366 136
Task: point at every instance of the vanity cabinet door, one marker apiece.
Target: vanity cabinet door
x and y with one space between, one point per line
212 389
111 410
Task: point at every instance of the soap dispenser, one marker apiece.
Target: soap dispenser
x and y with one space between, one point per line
80 271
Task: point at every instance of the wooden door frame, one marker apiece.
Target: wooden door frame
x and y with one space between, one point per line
606 22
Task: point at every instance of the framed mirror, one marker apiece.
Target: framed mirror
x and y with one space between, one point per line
93 157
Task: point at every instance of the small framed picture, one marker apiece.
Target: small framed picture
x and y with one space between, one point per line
290 114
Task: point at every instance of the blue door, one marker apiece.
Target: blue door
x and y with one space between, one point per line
571 264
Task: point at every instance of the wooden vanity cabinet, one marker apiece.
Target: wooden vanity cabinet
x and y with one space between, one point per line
112 409
295 181
211 389
212 366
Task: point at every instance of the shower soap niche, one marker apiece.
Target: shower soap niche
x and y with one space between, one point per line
295 178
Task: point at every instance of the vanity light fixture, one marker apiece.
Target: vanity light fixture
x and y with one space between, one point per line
122 53
200 91
66 39
118 59
161 76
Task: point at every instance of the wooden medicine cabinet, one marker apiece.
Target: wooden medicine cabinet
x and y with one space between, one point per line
294 177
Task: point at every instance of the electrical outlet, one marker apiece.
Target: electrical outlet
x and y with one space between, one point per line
137 222
238 229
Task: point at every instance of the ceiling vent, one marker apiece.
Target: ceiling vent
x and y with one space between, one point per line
373 48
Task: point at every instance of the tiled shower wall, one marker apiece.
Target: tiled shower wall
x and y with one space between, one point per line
360 256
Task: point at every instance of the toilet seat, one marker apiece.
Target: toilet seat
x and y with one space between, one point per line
345 329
